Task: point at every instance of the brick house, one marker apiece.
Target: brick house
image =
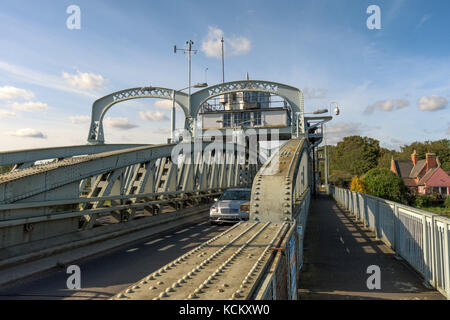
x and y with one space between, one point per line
423 176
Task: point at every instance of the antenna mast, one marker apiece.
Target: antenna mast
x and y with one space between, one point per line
223 63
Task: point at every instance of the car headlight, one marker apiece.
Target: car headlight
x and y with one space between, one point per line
214 210
245 207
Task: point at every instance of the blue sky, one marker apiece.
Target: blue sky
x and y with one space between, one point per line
393 84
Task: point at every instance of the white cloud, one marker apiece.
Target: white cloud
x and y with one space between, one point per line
31 106
233 46
166 104
336 132
387 105
10 93
27 133
432 103
79 119
42 79
84 80
120 123
7 113
153 116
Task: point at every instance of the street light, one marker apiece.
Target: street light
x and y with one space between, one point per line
336 109
336 112
172 114
301 114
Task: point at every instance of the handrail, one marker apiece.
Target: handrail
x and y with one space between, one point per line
421 238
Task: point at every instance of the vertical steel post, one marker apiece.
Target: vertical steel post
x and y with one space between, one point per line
172 118
223 63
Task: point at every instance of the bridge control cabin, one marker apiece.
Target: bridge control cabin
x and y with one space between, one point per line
247 110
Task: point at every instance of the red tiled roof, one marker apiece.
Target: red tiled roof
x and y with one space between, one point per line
426 176
417 168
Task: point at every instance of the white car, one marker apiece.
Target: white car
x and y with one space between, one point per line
232 206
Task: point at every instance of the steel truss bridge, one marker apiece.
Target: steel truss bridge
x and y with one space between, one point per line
91 198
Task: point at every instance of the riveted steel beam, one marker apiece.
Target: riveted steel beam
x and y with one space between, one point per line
280 182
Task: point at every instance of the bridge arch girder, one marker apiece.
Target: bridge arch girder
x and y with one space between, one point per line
292 95
102 105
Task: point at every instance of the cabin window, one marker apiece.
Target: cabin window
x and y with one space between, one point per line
256 118
226 120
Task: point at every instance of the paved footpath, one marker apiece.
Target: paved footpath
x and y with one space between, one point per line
338 250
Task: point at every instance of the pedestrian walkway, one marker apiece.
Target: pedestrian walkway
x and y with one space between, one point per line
337 252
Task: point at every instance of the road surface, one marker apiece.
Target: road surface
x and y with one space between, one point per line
106 274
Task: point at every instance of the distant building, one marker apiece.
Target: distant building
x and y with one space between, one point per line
423 176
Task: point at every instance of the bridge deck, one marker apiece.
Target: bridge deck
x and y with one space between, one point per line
338 250
228 266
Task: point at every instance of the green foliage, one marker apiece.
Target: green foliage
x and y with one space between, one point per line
358 185
422 201
384 160
385 184
355 155
340 179
440 147
447 202
5 169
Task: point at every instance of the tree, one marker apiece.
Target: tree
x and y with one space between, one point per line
5 169
385 184
440 147
385 157
358 185
355 155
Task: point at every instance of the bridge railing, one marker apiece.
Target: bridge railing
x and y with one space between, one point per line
420 237
50 200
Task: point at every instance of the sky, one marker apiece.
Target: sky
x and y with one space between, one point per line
391 83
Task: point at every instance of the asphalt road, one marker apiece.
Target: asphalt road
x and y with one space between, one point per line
106 274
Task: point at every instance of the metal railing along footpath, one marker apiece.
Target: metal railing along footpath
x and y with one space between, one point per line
420 237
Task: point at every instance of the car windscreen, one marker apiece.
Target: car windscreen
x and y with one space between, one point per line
236 195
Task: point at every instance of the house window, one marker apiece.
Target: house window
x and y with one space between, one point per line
256 118
226 120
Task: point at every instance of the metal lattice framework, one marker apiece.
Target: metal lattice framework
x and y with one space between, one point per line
102 105
240 86
291 94
74 194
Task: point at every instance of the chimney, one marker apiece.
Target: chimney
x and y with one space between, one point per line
431 161
414 157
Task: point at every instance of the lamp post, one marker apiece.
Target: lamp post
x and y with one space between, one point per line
172 114
336 112
189 51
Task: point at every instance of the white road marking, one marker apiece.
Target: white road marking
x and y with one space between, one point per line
132 250
166 247
154 241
